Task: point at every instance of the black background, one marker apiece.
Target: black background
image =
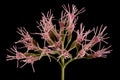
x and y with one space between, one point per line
19 13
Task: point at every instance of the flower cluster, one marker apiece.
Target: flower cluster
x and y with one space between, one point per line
59 42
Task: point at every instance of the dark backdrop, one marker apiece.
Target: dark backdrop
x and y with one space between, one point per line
26 12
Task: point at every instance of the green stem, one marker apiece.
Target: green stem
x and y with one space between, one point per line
64 65
56 59
68 41
69 62
62 68
63 39
62 72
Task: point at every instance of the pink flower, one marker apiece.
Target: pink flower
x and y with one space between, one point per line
81 35
17 55
71 29
81 53
101 52
45 35
25 35
59 42
45 25
46 22
57 34
71 16
56 45
62 21
65 54
26 39
98 37
29 60
46 52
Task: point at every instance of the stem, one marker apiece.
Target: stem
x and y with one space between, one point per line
69 62
68 41
56 59
62 68
62 72
63 39
63 65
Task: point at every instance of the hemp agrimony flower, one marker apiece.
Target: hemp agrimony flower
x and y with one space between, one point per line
59 42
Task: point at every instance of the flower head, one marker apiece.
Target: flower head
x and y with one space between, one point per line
65 54
81 35
71 14
45 36
26 39
71 17
29 60
101 52
62 21
56 45
45 25
98 37
60 42
25 35
46 52
46 22
17 55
